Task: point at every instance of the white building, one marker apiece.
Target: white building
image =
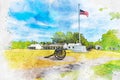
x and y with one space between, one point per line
35 46
75 47
69 46
98 47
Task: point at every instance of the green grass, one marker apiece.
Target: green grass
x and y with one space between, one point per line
107 68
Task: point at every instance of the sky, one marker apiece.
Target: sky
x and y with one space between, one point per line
39 19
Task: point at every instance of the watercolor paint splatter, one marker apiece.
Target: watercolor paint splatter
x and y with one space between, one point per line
59 40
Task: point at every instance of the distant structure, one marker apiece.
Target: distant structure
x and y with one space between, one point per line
76 47
35 46
98 47
79 48
52 46
113 48
70 46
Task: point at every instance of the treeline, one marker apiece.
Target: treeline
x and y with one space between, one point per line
108 40
71 37
25 44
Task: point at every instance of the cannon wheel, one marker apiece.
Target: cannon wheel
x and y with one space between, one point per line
60 53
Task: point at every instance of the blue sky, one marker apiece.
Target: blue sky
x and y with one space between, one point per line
40 19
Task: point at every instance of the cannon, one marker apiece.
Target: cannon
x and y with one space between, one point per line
59 54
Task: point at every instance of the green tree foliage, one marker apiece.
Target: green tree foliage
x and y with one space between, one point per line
34 42
69 37
25 44
97 42
83 40
76 37
58 37
20 44
110 39
115 15
43 43
48 43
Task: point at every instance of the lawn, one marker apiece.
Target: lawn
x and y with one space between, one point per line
107 68
27 59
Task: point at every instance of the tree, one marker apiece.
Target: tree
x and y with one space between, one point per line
17 45
43 43
84 41
20 44
75 37
69 37
110 39
27 43
58 37
48 43
34 42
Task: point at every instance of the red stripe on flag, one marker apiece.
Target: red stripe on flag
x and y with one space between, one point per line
82 12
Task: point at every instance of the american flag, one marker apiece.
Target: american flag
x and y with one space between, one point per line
82 12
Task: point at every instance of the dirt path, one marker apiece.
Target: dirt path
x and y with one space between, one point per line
83 66
98 61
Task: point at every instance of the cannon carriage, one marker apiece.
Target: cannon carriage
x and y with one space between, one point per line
59 54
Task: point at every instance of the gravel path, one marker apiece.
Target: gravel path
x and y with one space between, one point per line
84 66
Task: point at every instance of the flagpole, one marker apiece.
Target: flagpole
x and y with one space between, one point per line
79 22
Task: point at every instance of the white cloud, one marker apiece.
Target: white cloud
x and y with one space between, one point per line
44 24
51 1
22 5
74 26
41 24
95 37
20 31
111 4
83 24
